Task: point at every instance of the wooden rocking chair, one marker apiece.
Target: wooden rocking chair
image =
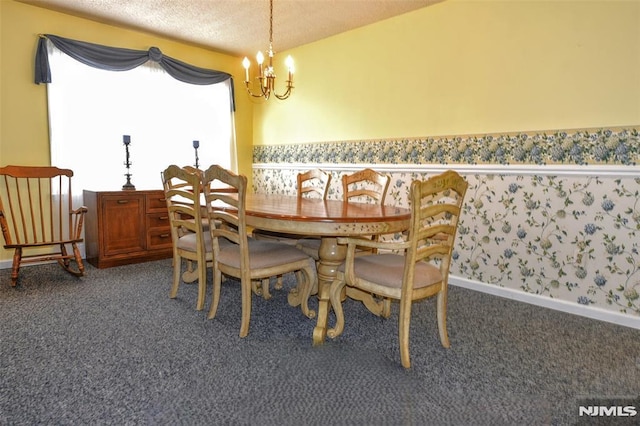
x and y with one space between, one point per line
36 213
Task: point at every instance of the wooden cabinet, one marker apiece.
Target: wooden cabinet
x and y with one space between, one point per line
124 227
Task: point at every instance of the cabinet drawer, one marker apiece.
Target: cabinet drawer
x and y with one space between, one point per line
158 220
156 201
159 239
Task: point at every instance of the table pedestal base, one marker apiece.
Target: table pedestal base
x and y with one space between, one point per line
331 257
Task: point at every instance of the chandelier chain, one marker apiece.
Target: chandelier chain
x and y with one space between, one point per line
270 23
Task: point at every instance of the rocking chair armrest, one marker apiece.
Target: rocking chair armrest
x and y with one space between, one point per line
80 210
78 221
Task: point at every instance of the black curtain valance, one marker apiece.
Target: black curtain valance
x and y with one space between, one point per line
120 59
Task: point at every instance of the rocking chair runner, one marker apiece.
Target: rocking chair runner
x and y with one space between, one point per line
36 213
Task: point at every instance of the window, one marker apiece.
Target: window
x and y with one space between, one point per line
91 109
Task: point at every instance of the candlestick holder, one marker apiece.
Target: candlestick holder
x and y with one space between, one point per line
196 145
128 186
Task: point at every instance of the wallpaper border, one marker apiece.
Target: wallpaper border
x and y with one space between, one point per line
605 146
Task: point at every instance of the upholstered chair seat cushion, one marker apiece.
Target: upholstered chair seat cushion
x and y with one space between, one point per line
387 269
262 254
188 242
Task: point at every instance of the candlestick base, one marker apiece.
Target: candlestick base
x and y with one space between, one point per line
128 186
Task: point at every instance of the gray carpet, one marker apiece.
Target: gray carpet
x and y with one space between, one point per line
112 348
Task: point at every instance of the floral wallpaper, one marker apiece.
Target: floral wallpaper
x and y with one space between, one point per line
568 235
574 239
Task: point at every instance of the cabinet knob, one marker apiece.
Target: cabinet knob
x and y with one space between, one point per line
123 201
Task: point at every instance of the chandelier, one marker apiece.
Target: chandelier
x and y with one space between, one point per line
267 76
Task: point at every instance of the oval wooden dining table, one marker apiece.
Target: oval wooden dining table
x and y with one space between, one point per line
327 219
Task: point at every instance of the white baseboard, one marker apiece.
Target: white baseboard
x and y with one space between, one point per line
547 302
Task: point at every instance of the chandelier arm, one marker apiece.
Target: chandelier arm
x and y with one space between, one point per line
262 92
256 96
286 94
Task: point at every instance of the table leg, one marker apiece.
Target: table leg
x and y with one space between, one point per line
331 257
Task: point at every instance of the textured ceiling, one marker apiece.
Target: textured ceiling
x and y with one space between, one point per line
238 27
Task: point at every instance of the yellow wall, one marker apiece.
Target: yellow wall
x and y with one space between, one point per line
465 67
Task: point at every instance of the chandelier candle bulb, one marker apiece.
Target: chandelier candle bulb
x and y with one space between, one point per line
246 64
290 67
260 59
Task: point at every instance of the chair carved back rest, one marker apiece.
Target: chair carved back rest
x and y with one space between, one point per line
365 183
36 206
225 195
436 204
314 182
182 189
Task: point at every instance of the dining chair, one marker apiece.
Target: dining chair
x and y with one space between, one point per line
364 185
246 258
417 268
313 183
191 241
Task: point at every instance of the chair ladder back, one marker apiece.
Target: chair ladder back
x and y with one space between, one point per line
314 181
183 206
365 183
182 193
183 216
436 205
226 204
